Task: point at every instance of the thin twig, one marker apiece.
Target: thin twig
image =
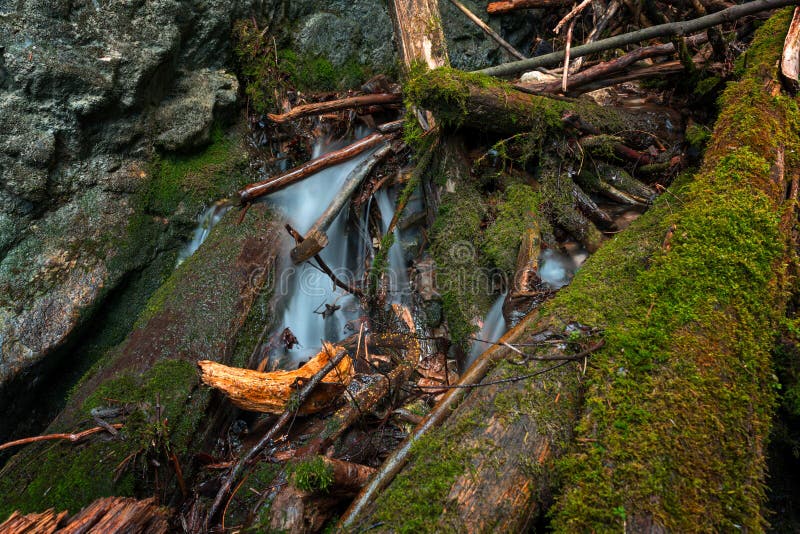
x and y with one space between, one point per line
69 437
571 16
565 74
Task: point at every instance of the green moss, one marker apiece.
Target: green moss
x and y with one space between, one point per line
312 475
462 273
516 214
678 402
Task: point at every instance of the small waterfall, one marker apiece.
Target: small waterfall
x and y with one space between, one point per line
494 326
555 269
205 222
397 272
312 308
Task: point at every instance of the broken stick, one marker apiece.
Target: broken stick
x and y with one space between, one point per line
319 108
316 239
276 183
498 8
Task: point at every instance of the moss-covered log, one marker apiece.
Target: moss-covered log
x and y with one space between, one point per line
665 430
207 309
477 101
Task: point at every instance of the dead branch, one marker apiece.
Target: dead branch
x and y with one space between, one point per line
316 239
324 266
276 183
299 399
498 8
69 437
663 30
319 108
272 392
574 12
488 30
598 29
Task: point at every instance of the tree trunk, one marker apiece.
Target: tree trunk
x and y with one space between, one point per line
150 381
663 428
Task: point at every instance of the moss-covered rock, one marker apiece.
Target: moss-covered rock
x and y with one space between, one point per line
197 314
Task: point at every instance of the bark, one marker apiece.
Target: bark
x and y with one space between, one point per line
276 183
271 392
418 32
674 342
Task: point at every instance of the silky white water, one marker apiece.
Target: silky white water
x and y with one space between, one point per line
494 326
205 222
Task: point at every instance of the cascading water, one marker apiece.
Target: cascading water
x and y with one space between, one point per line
311 307
555 269
397 272
205 222
494 326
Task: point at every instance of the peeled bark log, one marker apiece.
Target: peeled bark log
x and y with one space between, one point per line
276 183
679 393
271 392
319 108
790 59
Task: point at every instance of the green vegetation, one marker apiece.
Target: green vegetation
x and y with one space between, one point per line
312 475
516 214
268 71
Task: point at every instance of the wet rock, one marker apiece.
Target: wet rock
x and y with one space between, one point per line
201 97
87 90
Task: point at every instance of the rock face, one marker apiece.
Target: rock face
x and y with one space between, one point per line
87 88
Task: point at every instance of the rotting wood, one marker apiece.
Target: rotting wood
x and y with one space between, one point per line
498 8
109 514
790 59
319 108
316 239
300 397
663 30
276 183
505 45
272 392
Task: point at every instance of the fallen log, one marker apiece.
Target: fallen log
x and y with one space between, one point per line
506 6
662 30
790 59
319 108
316 239
272 392
109 514
276 183
505 45
681 389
